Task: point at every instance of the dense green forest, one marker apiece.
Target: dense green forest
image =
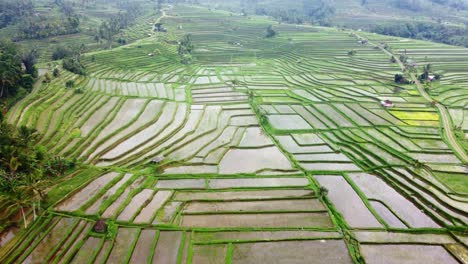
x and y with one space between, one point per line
434 32
16 80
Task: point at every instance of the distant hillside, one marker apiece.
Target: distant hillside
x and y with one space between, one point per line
437 20
46 25
363 11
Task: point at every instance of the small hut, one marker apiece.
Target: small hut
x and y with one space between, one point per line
157 160
100 227
387 103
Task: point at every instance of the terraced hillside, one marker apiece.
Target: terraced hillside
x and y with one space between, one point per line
262 150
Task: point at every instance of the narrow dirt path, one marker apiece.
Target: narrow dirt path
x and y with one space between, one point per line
447 126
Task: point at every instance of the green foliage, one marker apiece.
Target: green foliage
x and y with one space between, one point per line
56 72
13 11
29 59
158 27
403 59
27 81
185 49
57 166
270 32
112 229
352 52
117 22
25 168
426 31
264 120
314 11
401 79
62 52
18 146
70 83
47 78
413 5
74 65
323 192
41 26
10 68
14 81
76 133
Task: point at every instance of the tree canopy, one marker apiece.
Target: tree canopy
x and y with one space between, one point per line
426 31
13 11
14 80
270 32
25 169
185 49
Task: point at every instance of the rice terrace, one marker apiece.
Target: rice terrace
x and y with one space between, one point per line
205 132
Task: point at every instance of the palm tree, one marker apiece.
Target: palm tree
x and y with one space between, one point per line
10 63
14 165
33 186
7 81
323 191
27 135
16 200
427 68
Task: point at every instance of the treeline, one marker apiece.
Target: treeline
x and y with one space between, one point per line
420 5
39 27
12 11
15 80
413 5
108 29
456 4
426 31
318 12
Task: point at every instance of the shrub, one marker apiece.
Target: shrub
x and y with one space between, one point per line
27 81
47 78
323 191
400 79
61 52
352 52
56 72
270 32
74 65
70 83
